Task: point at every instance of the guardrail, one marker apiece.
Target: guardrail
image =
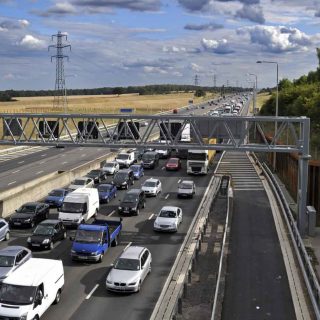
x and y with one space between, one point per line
308 273
170 300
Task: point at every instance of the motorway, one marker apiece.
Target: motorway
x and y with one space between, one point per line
82 278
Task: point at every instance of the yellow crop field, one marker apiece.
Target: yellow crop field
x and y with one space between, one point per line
148 104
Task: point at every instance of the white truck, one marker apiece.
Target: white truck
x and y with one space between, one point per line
31 289
126 158
79 206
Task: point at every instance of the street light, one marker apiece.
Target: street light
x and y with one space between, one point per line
277 107
255 88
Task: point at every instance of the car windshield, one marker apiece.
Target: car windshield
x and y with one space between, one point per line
79 182
6 261
122 156
104 188
43 230
135 168
94 172
130 198
120 176
149 184
16 295
27 208
167 214
173 161
185 186
127 264
89 236
56 193
71 207
147 157
109 165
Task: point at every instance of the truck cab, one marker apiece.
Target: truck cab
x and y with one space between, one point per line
126 159
79 206
92 241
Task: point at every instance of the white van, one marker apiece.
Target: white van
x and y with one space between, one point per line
31 289
126 158
79 206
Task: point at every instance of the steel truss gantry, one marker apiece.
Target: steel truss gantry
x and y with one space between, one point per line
229 133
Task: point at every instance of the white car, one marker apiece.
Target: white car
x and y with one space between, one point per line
129 270
152 187
83 182
168 219
111 167
186 188
4 230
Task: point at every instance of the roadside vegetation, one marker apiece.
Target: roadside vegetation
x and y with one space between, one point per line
300 97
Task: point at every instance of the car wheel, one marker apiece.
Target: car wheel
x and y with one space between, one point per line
149 271
58 297
139 286
137 212
107 201
51 245
115 241
7 236
101 257
127 186
143 205
32 224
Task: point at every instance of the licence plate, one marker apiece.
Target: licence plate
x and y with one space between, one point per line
17 223
36 245
82 257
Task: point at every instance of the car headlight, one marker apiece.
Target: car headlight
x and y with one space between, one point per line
27 220
46 241
94 253
73 251
156 224
29 239
132 283
109 281
120 208
75 220
24 317
123 183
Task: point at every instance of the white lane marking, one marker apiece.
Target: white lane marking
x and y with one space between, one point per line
11 182
39 172
83 155
167 196
128 245
21 162
111 213
42 162
92 291
179 180
43 155
64 162
163 168
63 155
151 217
15 171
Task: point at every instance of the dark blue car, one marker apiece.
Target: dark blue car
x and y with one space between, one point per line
107 192
138 171
56 197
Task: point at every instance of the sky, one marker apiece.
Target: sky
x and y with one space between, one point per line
140 42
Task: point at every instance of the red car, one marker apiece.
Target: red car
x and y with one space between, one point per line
173 164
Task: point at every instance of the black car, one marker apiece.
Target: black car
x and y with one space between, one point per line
150 159
29 214
46 234
123 178
97 175
132 202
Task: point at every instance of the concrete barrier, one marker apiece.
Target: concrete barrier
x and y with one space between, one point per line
34 190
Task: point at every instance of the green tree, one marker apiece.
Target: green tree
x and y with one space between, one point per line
200 93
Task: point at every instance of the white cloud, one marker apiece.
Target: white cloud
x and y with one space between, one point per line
8 76
24 23
216 46
150 69
277 39
195 67
32 42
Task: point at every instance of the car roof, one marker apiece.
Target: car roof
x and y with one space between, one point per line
60 189
124 170
151 152
113 162
12 250
187 181
32 203
134 191
105 185
152 180
132 252
172 208
50 221
82 178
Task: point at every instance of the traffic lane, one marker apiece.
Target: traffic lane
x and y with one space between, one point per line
38 167
256 283
163 247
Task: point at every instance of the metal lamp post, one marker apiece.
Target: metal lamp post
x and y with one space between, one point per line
277 107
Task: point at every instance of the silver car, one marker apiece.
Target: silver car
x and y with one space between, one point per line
11 258
4 230
129 270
